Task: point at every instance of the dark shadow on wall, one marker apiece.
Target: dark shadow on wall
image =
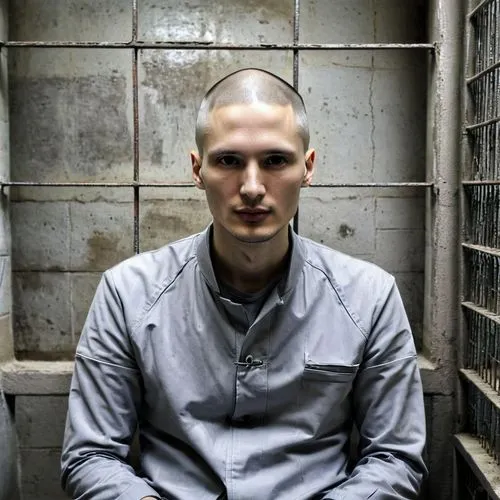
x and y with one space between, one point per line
9 482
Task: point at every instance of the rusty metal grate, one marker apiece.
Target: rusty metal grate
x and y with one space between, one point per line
484 420
484 347
484 86
482 248
468 487
484 278
134 44
484 202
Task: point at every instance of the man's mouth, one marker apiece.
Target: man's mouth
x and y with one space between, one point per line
253 215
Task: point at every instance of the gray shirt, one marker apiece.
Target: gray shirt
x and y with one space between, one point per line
252 303
265 415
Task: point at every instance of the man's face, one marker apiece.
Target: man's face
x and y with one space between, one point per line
252 169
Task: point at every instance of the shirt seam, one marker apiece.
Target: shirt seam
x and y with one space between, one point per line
336 288
100 361
160 289
411 356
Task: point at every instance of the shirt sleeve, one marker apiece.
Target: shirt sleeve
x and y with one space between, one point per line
104 400
389 412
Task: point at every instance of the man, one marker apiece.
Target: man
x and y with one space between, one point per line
245 354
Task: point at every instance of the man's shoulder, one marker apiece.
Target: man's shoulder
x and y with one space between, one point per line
359 284
148 270
341 265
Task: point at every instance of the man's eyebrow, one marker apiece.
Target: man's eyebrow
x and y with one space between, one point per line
280 151
222 152
273 151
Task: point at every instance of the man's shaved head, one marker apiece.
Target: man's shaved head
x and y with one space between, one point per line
248 86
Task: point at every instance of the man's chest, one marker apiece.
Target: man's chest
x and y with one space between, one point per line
299 357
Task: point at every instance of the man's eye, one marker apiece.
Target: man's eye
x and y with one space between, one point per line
229 161
276 161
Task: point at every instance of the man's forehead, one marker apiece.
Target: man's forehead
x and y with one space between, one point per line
253 114
252 128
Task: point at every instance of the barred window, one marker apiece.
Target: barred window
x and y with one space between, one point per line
481 251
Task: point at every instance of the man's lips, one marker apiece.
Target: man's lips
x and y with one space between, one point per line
253 214
253 210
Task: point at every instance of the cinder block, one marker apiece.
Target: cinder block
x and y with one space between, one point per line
424 492
8 457
400 213
40 421
172 84
344 21
400 250
37 377
165 221
70 115
42 323
83 287
267 21
4 24
443 423
101 235
399 22
4 87
5 235
399 114
347 225
6 340
70 20
40 472
40 236
411 287
4 136
5 286
336 90
67 194
355 21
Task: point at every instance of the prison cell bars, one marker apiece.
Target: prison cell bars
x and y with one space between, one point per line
135 45
481 245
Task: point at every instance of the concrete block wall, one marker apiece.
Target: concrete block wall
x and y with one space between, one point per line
8 457
8 446
71 120
40 427
73 111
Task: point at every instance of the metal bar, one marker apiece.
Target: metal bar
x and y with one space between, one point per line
296 34
482 468
138 44
486 71
481 311
490 182
492 395
190 184
373 184
483 249
469 128
135 105
480 6
94 184
134 21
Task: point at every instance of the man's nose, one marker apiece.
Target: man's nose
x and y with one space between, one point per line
252 186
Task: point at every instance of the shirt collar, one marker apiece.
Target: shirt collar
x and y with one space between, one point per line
286 285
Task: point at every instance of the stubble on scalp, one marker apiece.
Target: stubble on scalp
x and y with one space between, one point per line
249 86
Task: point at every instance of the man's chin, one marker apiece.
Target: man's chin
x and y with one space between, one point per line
255 237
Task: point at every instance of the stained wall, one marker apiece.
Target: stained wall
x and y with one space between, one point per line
71 119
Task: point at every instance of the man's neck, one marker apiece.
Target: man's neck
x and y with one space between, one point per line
249 267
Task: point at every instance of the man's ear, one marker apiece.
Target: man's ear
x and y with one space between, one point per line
196 162
309 167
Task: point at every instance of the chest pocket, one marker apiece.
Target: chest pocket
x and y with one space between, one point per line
329 373
325 397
